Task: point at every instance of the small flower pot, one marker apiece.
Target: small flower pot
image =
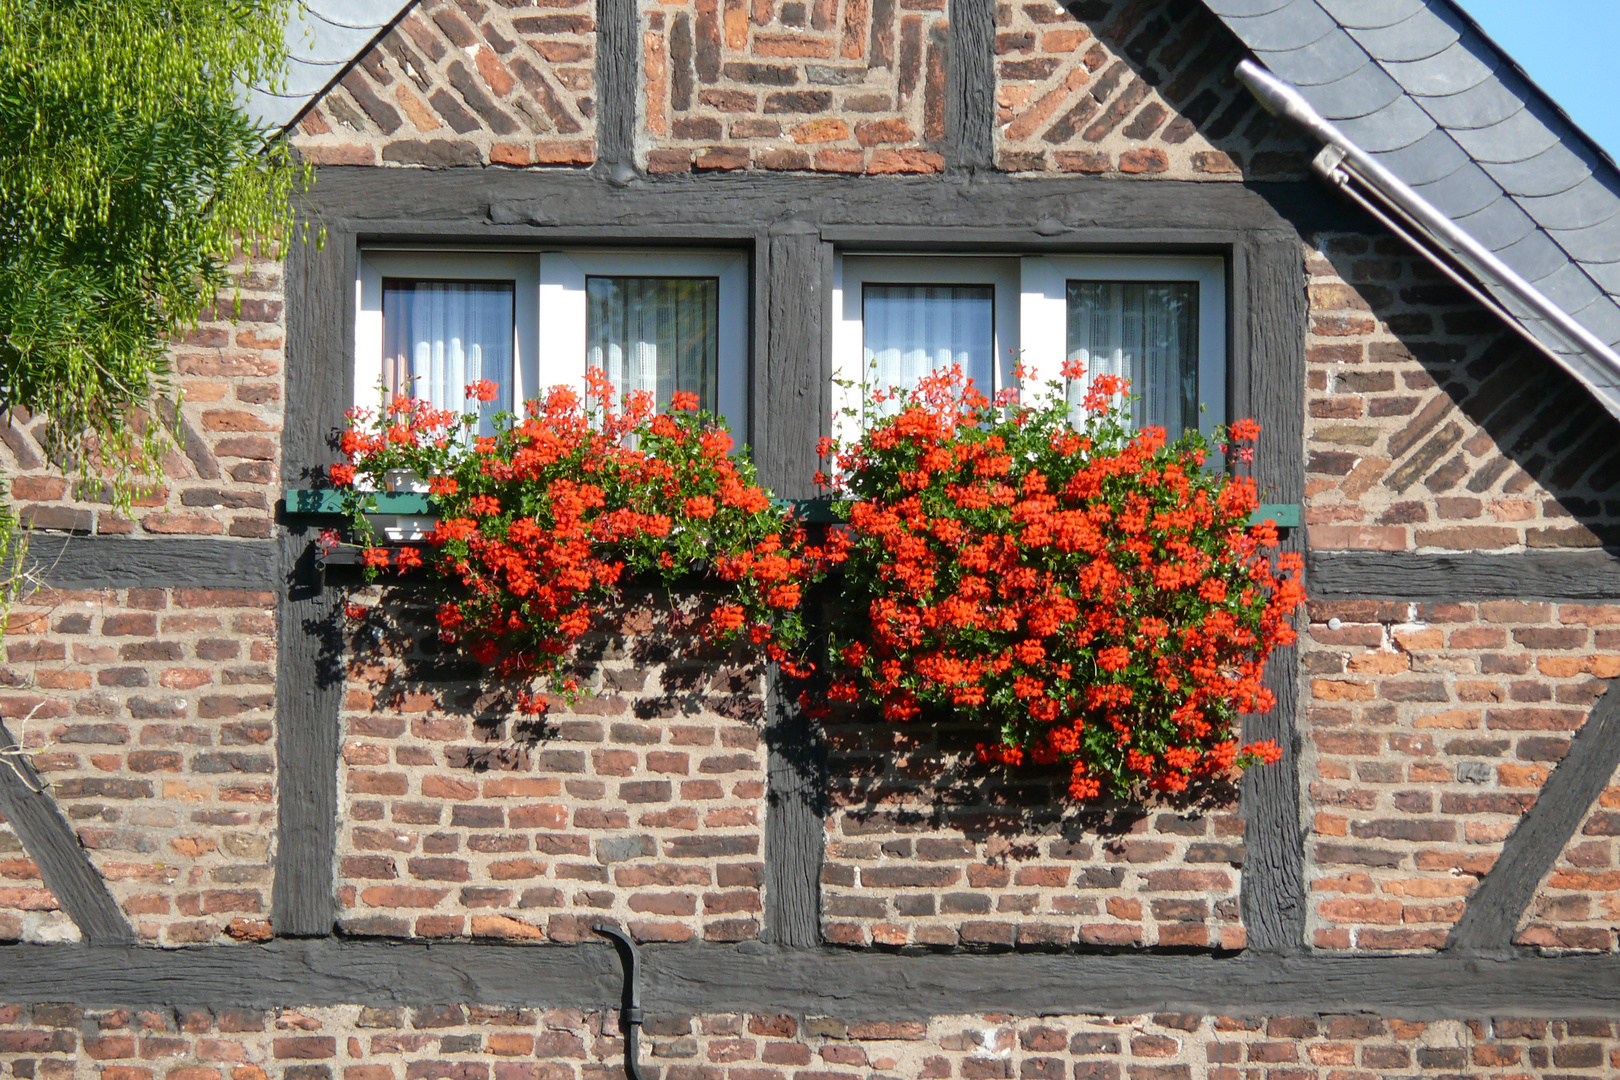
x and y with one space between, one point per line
404 481
402 527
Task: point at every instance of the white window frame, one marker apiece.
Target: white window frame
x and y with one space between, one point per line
563 314
1045 343
851 274
1031 315
523 271
550 311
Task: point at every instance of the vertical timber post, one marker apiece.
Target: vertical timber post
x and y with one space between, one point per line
309 647
795 396
970 100
1269 295
618 73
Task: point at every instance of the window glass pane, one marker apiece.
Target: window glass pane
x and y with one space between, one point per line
1146 332
911 330
659 334
439 336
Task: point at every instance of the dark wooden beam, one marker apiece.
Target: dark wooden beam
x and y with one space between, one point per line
1272 886
320 285
796 382
1268 384
1491 917
795 821
1464 576
118 562
849 984
547 205
618 71
309 693
309 656
51 842
970 102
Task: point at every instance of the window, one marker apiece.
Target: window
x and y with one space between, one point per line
434 321
898 318
438 336
1159 321
658 334
429 324
653 321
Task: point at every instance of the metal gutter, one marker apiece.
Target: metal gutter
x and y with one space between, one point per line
1388 198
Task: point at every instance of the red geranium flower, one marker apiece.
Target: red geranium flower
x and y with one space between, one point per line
543 520
1086 590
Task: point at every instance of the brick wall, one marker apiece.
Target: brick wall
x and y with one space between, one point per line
222 479
1429 730
465 83
28 910
471 1042
1577 907
1137 88
643 803
926 847
1430 427
844 86
149 712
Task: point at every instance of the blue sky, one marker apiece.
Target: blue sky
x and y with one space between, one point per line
1569 48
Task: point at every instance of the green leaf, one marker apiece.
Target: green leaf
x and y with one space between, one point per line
132 188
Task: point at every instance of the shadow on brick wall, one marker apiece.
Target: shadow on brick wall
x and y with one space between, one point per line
1432 426
641 802
928 847
1131 87
651 664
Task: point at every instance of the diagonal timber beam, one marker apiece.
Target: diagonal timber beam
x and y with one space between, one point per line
53 845
1492 914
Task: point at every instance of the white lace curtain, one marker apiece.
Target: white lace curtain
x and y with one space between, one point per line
911 330
441 336
659 334
1146 332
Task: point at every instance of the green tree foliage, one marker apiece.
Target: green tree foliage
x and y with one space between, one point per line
129 177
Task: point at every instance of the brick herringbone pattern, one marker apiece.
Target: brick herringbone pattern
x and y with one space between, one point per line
465 84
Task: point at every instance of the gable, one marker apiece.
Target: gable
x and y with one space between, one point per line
1131 87
1139 88
836 86
464 83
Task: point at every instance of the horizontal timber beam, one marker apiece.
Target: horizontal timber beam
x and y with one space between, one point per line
564 205
1462 577
119 562
844 983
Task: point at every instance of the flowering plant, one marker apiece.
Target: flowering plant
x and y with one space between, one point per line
543 520
1091 593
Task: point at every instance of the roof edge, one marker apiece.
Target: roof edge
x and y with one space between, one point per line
344 67
1440 239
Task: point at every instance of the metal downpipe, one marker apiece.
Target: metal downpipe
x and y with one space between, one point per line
630 1002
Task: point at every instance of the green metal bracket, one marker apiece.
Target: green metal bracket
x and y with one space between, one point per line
307 501
1286 515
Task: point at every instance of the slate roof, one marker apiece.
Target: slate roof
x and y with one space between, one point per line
1415 83
1421 88
323 39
